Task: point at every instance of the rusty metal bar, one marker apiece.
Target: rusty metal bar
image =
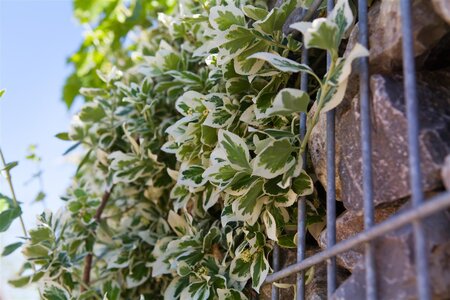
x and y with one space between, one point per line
437 203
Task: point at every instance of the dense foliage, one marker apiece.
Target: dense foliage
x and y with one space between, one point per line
193 161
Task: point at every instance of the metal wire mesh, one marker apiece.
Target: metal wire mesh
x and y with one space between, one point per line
419 210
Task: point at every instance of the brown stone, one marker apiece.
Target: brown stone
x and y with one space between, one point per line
385 33
445 173
395 264
348 224
389 140
442 8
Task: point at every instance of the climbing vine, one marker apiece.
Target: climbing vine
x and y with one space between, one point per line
192 159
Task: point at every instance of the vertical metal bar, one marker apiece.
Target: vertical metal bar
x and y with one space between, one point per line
301 205
409 69
366 146
331 188
276 267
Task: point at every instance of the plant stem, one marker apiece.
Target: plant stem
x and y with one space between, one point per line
88 258
320 103
13 193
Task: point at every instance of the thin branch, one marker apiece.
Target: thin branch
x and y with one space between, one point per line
88 258
13 193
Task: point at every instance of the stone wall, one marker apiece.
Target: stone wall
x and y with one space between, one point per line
394 251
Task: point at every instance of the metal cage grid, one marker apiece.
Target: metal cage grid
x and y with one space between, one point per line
419 210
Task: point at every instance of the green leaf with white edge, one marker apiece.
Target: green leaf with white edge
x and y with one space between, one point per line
178 224
221 111
189 103
191 176
342 73
303 184
255 13
236 150
8 212
230 294
289 101
11 248
248 207
240 266
287 241
270 225
259 270
342 16
220 174
276 18
321 33
240 184
274 160
237 85
176 286
196 291
223 17
282 63
92 112
286 200
211 196
245 66
236 40
54 291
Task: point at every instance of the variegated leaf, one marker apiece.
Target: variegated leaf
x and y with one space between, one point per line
289 101
274 160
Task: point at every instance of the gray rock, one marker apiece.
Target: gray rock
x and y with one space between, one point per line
350 223
389 139
396 276
445 173
442 8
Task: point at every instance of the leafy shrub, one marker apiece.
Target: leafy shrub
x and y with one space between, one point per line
193 161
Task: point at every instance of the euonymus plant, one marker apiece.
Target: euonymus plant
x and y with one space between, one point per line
192 162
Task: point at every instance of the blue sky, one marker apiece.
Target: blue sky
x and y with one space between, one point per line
36 37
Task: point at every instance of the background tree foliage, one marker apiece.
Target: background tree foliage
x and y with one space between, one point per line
193 161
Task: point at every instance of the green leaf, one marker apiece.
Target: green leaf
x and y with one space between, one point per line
192 176
321 34
340 78
10 166
11 248
282 63
236 150
230 294
54 292
259 269
287 241
2 92
20 282
255 13
270 225
275 20
289 101
303 184
223 17
274 160
342 16
92 112
8 212
39 197
63 136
